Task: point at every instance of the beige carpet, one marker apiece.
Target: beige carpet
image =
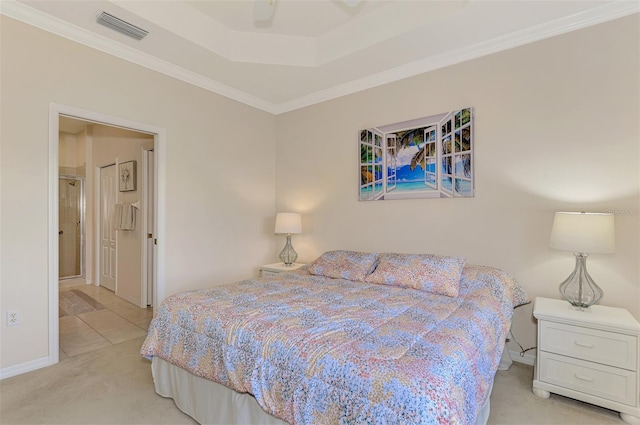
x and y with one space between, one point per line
113 385
513 402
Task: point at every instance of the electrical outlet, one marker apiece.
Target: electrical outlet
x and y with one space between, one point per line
13 318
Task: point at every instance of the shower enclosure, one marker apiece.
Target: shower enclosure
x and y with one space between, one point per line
71 227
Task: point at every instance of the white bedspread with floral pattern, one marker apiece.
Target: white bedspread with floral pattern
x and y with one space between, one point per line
317 350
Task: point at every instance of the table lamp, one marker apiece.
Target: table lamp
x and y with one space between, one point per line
288 223
583 234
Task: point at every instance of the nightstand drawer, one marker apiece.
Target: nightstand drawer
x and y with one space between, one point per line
607 348
268 273
589 378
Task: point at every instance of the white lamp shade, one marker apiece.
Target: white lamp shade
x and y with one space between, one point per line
288 223
589 233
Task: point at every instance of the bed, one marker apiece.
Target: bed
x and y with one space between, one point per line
353 338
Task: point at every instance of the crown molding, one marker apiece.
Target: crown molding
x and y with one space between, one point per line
38 19
598 15
606 12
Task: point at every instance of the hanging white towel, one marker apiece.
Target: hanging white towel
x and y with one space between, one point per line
125 216
117 216
128 217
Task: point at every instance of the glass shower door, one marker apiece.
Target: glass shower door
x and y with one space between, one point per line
71 227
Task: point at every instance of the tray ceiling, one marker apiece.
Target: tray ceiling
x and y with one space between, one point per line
311 50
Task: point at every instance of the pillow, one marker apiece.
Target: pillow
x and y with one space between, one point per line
501 284
349 265
429 273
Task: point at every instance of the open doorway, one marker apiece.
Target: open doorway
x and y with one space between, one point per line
107 142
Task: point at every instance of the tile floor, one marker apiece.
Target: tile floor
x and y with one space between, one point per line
120 321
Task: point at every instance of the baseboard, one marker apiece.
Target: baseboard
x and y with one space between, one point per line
25 367
528 358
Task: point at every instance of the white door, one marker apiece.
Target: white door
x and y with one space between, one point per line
108 266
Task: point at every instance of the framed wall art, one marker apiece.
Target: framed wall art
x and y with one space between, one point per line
429 157
127 173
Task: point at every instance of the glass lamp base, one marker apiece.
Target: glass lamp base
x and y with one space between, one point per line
579 289
288 255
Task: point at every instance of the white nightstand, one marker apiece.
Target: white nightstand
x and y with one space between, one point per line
275 268
589 355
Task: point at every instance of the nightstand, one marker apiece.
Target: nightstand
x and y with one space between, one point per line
275 268
589 355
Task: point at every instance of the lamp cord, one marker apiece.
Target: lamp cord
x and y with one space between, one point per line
522 349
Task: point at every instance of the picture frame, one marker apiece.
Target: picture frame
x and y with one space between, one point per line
428 157
127 176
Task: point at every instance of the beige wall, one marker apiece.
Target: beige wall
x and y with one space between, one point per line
556 129
68 150
220 169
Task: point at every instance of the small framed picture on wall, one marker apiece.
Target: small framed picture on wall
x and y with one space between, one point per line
127 176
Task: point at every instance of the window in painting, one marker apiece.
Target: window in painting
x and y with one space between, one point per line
463 175
392 173
456 160
370 165
430 158
446 172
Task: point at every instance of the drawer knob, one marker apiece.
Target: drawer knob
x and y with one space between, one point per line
583 377
583 344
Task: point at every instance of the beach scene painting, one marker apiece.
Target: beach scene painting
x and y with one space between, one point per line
429 157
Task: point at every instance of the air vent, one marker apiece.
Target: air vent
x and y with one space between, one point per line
119 25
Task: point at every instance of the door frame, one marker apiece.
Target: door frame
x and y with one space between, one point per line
55 110
147 245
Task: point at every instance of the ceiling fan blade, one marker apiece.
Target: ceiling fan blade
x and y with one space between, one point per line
263 9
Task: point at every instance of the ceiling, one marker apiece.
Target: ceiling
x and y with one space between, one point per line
310 50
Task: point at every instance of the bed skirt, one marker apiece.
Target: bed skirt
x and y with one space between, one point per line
211 403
